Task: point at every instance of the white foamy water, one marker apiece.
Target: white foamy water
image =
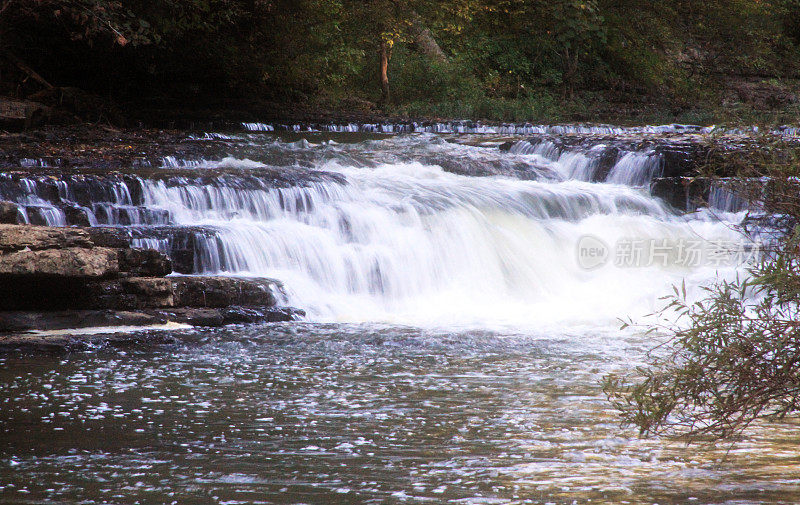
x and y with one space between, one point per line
401 230
407 243
635 169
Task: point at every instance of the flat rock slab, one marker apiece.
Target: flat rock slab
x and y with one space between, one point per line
59 279
73 262
15 238
73 329
215 317
13 322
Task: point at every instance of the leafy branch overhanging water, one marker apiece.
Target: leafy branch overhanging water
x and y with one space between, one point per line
731 358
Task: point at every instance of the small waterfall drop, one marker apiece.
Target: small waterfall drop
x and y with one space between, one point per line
635 169
631 168
472 127
723 198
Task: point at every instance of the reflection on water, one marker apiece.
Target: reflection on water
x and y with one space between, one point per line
358 414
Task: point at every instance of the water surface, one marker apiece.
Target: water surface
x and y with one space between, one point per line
453 349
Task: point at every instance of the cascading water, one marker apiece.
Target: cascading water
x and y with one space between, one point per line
635 169
471 127
630 168
392 231
724 197
408 242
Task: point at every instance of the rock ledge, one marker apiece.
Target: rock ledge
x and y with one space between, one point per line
62 278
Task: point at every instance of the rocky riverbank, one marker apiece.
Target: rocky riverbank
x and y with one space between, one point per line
54 278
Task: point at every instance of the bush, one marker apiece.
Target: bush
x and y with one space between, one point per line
733 357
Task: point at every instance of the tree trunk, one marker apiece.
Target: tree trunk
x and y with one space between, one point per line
570 65
423 39
385 56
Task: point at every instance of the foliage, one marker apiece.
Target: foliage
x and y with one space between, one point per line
736 361
733 357
84 20
312 51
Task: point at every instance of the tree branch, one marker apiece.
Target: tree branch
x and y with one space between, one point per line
26 69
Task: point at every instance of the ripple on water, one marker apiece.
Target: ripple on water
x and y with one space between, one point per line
356 413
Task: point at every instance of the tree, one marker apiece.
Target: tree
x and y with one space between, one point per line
576 25
86 19
383 24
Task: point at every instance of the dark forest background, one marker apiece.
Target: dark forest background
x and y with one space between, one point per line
514 60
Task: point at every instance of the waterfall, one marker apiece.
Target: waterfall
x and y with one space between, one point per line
721 197
545 148
472 127
632 168
635 169
49 216
392 230
159 244
403 241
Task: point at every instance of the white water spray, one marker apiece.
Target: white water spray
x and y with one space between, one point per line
393 234
409 243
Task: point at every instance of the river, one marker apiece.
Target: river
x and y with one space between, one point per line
463 304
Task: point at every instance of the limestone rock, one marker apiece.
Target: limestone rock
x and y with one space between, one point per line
76 215
59 320
21 114
9 213
196 317
73 262
223 291
15 238
157 292
215 317
109 237
144 263
97 279
126 294
683 193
